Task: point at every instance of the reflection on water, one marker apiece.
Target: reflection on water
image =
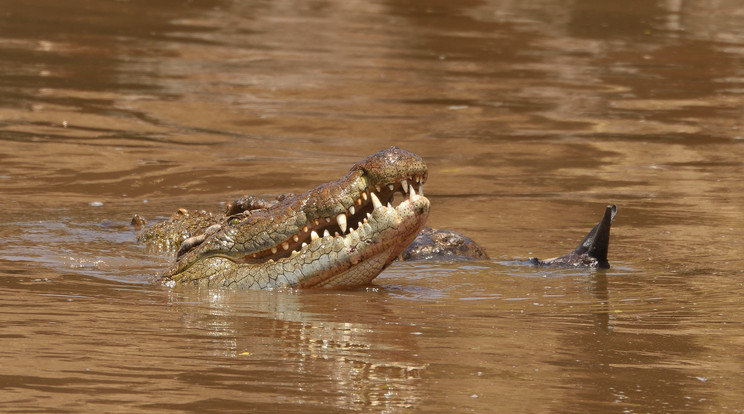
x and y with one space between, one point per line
335 352
532 116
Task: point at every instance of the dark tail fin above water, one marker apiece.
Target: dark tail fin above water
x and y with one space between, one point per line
596 243
592 251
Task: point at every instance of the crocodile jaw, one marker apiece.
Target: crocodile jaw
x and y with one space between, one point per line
330 262
342 233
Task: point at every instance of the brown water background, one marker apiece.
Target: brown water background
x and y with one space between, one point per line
532 116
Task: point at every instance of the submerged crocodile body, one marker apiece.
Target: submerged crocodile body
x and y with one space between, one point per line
342 233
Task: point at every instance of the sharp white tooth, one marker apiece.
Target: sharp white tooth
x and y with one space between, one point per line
369 216
325 233
418 179
285 246
375 201
304 244
359 225
377 187
317 223
304 228
273 250
294 252
391 187
352 210
421 190
341 220
412 192
389 205
364 195
313 235
328 219
296 238
404 184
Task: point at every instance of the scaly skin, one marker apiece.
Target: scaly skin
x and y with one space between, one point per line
260 244
342 233
442 244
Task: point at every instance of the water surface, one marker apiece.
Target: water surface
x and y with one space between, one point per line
532 116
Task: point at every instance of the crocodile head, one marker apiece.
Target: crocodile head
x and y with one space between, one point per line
342 233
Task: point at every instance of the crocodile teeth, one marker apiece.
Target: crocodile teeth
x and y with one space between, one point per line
341 220
285 246
352 210
391 187
273 250
375 201
421 190
313 235
404 184
296 238
369 216
412 192
377 187
389 205
364 195
326 233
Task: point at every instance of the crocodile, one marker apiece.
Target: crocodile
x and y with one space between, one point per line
340 234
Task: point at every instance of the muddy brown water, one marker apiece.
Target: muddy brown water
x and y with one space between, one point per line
532 116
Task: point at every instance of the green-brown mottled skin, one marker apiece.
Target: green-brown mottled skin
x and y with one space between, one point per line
342 233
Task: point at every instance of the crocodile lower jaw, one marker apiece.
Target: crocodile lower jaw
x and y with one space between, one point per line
362 254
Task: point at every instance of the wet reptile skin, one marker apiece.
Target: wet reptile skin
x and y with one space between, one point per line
342 233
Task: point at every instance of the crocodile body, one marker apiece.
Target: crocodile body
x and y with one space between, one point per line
339 234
